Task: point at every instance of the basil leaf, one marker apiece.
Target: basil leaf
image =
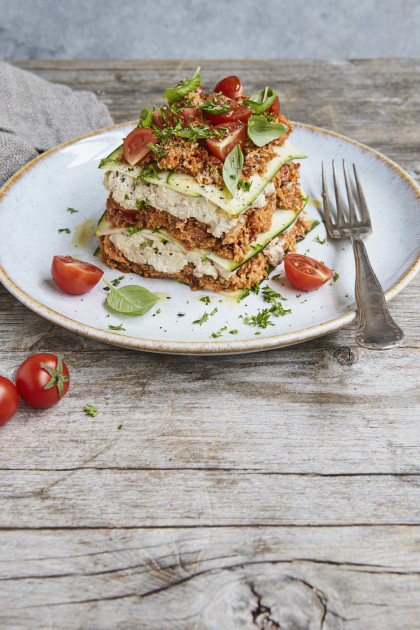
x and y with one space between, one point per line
232 169
146 117
173 95
261 132
261 100
215 108
131 299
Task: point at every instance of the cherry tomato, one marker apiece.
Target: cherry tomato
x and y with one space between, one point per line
74 276
236 134
235 113
9 400
275 107
230 86
135 144
42 380
187 115
306 273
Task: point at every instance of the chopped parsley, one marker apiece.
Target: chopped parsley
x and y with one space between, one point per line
139 204
219 332
245 185
233 332
202 320
214 311
321 242
90 410
262 319
149 171
254 289
143 245
269 295
71 210
147 202
336 276
126 197
66 230
120 327
120 426
117 281
133 229
158 311
205 299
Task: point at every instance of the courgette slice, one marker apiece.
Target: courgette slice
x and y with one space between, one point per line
220 196
282 219
186 184
115 156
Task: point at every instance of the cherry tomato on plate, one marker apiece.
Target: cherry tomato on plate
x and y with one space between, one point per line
9 399
135 144
221 147
42 380
235 113
306 273
74 276
230 86
275 107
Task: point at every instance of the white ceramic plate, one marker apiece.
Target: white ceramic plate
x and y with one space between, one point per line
33 208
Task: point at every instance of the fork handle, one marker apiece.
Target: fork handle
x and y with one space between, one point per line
376 329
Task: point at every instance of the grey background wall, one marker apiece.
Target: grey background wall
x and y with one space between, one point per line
213 29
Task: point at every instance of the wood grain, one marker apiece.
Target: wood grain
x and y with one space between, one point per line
272 490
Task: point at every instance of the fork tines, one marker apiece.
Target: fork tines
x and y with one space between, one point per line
346 216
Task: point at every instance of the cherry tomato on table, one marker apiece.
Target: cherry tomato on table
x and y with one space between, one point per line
9 399
42 380
74 276
230 86
235 134
135 144
306 273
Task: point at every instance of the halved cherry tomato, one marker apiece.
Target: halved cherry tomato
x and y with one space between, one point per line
187 115
135 144
236 112
306 273
74 276
230 86
9 399
275 107
235 134
42 380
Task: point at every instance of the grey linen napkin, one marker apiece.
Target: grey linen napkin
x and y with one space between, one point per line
36 115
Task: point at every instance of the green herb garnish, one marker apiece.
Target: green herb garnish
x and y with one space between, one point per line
205 299
131 299
173 95
318 240
146 117
90 410
202 320
117 281
66 230
232 169
336 276
261 132
269 295
261 100
71 210
111 327
215 108
133 229
149 171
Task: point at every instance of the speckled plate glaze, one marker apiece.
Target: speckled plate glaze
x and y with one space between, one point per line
33 209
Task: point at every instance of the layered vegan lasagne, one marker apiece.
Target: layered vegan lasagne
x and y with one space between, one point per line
204 190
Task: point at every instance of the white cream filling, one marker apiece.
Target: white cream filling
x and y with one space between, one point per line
164 253
127 193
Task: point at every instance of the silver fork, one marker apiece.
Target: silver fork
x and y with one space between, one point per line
376 329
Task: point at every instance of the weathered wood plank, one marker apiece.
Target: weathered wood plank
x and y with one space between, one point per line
117 498
309 578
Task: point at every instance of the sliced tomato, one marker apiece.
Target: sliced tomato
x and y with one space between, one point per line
9 399
235 134
74 276
275 107
236 112
230 86
306 273
135 144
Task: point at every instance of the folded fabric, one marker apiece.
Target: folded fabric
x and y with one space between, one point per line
36 115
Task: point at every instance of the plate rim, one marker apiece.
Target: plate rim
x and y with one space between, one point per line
201 347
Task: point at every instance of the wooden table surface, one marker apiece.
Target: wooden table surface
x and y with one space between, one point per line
269 490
